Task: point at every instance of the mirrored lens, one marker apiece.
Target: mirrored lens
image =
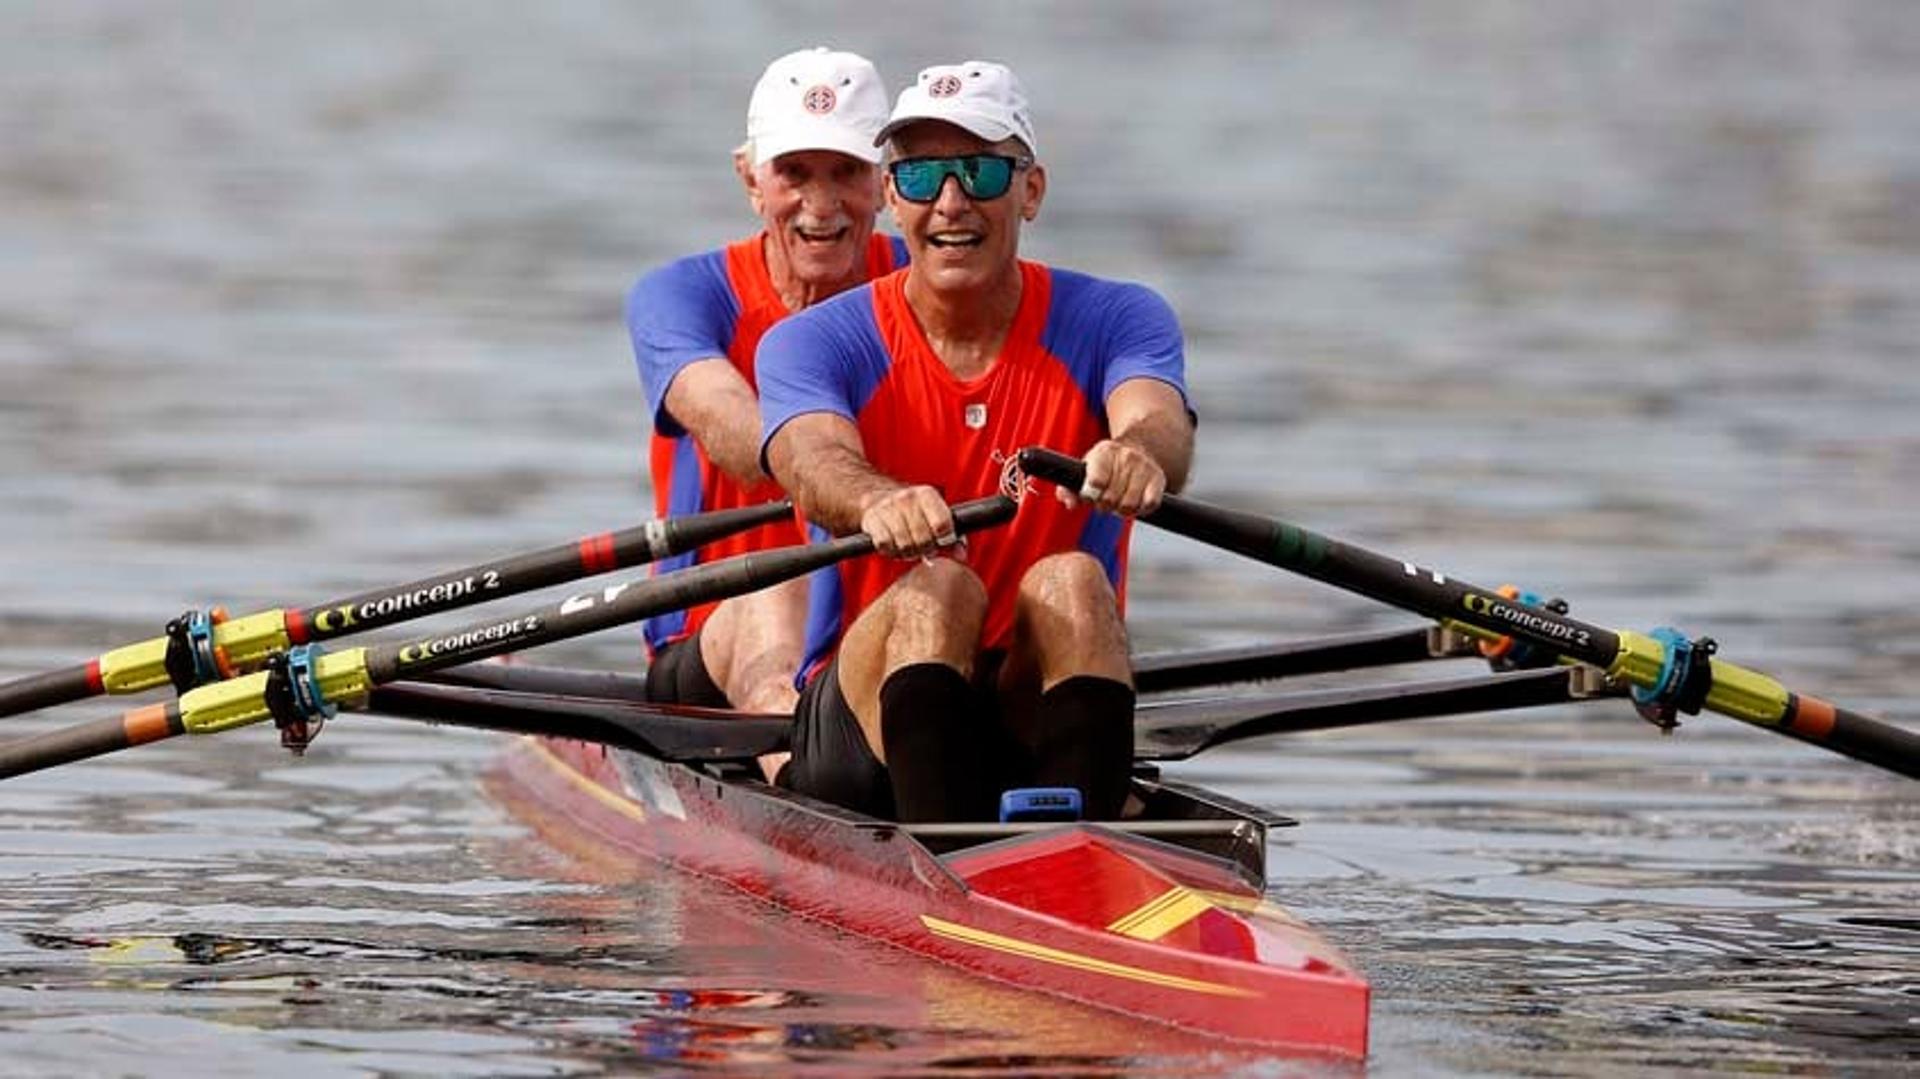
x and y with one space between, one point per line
981 176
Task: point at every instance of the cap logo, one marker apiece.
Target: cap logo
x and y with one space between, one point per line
819 100
944 86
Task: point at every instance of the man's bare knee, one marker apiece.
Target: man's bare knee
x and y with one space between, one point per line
1070 583
941 589
1068 616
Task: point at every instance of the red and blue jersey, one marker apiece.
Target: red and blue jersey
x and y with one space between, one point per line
716 304
862 355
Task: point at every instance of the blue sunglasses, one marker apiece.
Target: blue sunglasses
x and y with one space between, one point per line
981 176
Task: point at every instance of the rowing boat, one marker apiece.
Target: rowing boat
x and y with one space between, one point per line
1162 916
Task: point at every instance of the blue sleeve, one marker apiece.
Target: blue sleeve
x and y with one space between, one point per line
676 315
827 358
1143 340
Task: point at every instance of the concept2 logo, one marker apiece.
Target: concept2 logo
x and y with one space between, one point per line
413 655
344 618
1538 625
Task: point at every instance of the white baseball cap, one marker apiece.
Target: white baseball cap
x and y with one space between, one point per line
978 95
817 99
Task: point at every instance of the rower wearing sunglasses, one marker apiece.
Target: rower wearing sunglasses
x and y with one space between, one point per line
949 673
810 170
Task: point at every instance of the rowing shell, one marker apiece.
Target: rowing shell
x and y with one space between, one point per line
1162 917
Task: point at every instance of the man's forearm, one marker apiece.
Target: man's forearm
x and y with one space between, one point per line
1167 437
836 483
718 408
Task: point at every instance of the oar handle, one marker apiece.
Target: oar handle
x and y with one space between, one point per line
1054 467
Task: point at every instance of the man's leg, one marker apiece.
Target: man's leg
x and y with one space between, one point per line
905 668
1071 646
751 648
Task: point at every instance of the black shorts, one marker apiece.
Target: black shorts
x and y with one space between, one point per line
832 761
678 675
831 758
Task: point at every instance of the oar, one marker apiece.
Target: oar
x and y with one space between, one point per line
305 686
1153 672
1164 730
1159 672
1669 671
204 647
1176 730
667 731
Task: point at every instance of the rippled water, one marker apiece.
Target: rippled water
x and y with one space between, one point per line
301 299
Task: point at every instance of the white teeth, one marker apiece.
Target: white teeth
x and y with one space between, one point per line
821 234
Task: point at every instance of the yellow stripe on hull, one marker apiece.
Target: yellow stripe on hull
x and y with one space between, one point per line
625 806
1172 909
1028 950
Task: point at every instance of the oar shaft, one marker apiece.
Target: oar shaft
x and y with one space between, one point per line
630 601
1852 734
1391 581
516 574
93 739
1634 659
247 641
348 677
37 691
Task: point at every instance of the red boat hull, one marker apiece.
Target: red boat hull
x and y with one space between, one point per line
1115 920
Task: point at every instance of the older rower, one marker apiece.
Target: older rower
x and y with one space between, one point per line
810 171
947 673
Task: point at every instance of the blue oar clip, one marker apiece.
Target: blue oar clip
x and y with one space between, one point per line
294 698
191 660
1686 675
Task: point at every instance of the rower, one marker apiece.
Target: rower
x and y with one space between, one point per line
810 170
946 673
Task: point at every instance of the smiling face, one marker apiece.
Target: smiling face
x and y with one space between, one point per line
959 243
818 207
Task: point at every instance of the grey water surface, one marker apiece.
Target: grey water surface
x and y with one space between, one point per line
1614 302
